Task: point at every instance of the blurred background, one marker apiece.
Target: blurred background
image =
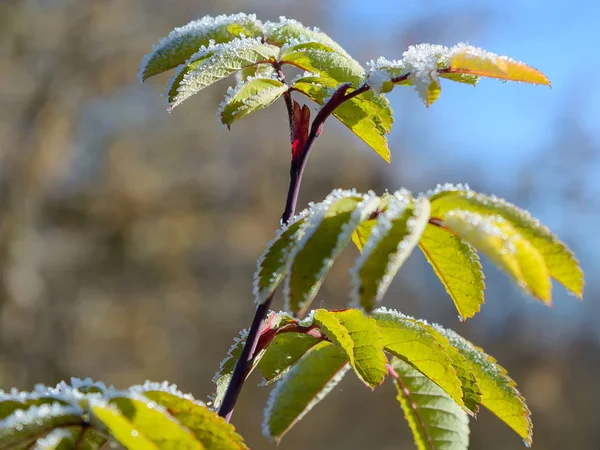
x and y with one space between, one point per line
128 236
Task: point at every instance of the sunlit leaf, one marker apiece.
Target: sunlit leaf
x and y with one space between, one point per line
359 336
498 391
184 41
562 264
133 421
436 421
305 385
456 264
394 236
474 61
499 240
327 231
249 97
211 430
410 341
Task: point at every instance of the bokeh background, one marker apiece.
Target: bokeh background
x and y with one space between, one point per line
128 236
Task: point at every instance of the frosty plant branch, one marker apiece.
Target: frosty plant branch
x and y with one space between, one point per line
441 379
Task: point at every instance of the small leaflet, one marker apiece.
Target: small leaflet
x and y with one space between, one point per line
393 237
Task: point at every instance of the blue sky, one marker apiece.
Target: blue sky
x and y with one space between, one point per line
560 38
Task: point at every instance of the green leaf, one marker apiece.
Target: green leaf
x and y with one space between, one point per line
414 343
11 403
359 336
183 42
456 264
211 430
137 425
215 63
272 264
25 427
283 352
305 385
368 115
498 391
393 238
258 70
499 240
288 31
327 231
226 368
249 97
60 439
436 421
562 264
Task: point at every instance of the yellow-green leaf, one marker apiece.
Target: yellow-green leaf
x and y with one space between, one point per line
560 261
456 264
359 336
499 240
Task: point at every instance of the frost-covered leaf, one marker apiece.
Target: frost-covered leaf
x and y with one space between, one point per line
392 239
414 343
499 240
184 41
562 264
362 233
466 59
283 352
289 32
368 115
249 97
223 376
272 264
320 58
305 385
327 231
422 65
436 421
211 430
456 264
256 71
137 424
214 63
24 427
359 336
498 391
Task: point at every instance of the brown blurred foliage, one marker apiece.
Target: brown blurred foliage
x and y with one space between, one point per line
128 237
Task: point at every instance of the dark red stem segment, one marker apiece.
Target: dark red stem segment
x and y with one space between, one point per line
299 130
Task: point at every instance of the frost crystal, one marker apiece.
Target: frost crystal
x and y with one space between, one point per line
52 440
37 414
